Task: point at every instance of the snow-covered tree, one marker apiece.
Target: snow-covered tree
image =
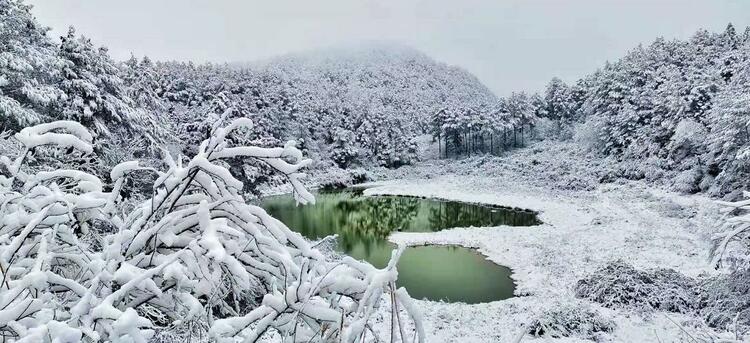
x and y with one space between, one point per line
96 95
29 68
558 103
522 115
143 86
343 147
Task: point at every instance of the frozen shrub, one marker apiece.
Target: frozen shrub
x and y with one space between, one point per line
706 183
8 145
589 135
650 169
195 251
343 149
336 178
687 138
726 301
688 181
340 178
359 176
182 332
566 320
620 285
546 128
575 183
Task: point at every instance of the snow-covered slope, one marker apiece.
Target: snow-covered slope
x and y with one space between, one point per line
586 226
358 106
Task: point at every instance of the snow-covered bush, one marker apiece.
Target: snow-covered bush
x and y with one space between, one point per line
545 128
8 145
343 149
688 181
618 285
589 135
570 319
194 252
341 178
722 302
688 137
726 301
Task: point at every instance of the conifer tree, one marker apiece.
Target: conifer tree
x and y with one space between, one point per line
29 68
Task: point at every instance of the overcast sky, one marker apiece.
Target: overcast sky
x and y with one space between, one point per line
509 44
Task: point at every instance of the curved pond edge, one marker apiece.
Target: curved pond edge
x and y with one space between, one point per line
433 239
474 249
478 249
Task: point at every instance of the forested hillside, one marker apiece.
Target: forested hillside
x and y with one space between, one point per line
42 80
677 105
674 112
357 107
682 107
361 106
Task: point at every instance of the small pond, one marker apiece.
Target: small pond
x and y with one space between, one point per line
363 223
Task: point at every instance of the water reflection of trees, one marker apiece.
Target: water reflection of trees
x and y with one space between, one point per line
446 214
364 223
371 220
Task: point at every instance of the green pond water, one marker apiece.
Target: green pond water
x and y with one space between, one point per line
363 223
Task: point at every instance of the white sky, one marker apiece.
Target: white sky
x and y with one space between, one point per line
509 44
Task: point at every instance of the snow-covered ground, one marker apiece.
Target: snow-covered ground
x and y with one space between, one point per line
583 230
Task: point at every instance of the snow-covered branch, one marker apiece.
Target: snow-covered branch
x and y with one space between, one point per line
195 251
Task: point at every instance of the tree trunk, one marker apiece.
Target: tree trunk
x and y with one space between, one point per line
466 144
492 145
440 151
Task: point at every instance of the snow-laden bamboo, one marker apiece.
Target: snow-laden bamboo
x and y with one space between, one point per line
196 251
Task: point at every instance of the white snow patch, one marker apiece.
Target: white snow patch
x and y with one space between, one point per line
581 231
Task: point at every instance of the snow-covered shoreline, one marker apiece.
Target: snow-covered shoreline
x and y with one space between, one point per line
581 231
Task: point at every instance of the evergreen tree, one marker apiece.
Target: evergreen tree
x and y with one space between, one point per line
730 38
96 95
29 68
558 102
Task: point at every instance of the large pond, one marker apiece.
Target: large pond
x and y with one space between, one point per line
363 223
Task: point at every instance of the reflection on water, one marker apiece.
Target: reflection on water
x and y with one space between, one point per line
434 272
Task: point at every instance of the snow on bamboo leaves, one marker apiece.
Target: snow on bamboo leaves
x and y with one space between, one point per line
192 252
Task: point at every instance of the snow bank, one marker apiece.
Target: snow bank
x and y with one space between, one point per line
583 229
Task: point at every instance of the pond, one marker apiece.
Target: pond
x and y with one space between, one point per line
363 223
